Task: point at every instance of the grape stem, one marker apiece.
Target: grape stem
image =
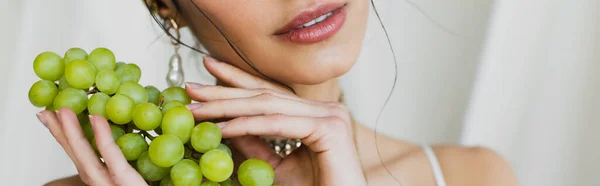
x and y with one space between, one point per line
146 134
187 154
93 90
190 153
161 100
129 128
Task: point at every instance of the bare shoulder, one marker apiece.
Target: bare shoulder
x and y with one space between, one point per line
474 166
394 161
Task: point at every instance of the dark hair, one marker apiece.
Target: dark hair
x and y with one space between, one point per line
151 8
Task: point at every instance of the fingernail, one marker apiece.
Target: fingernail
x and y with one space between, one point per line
41 118
58 116
221 124
210 59
194 85
91 119
193 106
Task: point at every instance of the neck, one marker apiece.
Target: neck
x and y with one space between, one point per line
327 91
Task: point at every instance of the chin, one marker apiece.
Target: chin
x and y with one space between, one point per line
319 71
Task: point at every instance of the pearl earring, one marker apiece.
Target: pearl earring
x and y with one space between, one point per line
175 75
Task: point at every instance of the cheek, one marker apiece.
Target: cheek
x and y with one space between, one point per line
237 19
283 61
238 23
316 63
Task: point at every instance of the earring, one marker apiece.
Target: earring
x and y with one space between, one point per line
175 74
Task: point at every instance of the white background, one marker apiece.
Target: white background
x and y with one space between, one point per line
520 77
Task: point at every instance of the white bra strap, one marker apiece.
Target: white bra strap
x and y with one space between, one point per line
435 166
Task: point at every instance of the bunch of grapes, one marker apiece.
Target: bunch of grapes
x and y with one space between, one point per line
155 131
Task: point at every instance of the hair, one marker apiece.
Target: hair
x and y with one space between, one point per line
153 7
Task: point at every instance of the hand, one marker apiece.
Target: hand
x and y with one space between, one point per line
66 130
259 108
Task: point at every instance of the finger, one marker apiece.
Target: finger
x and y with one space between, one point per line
253 147
91 167
238 78
203 93
263 104
314 132
117 165
49 119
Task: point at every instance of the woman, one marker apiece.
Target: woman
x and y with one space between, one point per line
279 78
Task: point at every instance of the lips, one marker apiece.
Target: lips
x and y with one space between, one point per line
315 25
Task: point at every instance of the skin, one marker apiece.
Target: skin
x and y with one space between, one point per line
336 150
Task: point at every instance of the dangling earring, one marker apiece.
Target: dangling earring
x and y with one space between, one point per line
175 75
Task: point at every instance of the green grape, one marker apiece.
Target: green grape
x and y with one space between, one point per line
166 150
119 64
132 145
153 93
186 172
97 104
42 93
206 136
74 99
49 66
88 132
83 118
107 81
80 74
216 165
129 73
135 91
86 126
147 116
149 170
102 58
93 67
75 53
179 121
175 94
210 183
63 84
255 172
166 182
227 182
116 131
119 109
168 106
222 147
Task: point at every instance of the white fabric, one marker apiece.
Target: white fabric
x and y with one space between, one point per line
532 95
438 174
535 98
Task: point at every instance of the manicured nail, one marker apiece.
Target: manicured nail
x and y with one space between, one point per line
208 58
42 119
58 116
221 124
91 119
193 106
194 85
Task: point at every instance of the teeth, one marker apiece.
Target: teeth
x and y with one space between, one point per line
319 19
315 21
311 23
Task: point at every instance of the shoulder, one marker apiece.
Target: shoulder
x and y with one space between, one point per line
474 166
393 161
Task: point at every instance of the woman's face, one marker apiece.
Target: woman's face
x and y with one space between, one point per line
292 41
